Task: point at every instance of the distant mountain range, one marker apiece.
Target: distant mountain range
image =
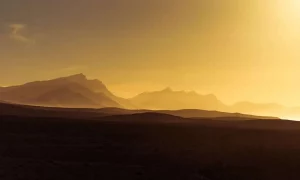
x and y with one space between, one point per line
172 100
77 91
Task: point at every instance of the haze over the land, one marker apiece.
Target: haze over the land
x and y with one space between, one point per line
237 50
77 91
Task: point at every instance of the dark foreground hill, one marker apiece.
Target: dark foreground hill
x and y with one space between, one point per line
146 145
37 111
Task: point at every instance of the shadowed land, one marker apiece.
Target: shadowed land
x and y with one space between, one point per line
38 111
146 145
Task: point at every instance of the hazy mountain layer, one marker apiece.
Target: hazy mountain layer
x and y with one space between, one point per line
72 91
79 92
172 100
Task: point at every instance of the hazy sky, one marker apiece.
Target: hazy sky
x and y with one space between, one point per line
236 49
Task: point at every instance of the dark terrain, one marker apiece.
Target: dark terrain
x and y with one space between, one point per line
147 145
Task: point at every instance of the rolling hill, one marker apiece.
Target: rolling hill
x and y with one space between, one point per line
63 143
36 111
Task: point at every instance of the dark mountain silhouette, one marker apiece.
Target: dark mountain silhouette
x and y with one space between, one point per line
10 109
171 100
186 113
114 143
64 143
71 91
194 113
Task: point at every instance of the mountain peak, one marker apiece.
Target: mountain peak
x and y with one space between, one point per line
168 89
76 77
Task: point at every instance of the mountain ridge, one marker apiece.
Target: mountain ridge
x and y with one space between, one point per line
31 93
171 100
95 94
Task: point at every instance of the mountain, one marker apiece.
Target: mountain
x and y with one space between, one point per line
77 91
195 113
66 145
63 97
74 95
186 113
171 100
168 99
98 87
8 109
71 91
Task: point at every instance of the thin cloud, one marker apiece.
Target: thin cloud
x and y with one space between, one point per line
16 33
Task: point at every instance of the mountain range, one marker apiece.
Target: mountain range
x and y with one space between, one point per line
77 91
172 100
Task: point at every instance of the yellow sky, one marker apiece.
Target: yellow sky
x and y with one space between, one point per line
238 50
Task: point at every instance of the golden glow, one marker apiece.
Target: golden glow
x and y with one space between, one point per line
289 8
236 49
292 118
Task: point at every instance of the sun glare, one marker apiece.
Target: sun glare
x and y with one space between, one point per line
289 9
292 118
